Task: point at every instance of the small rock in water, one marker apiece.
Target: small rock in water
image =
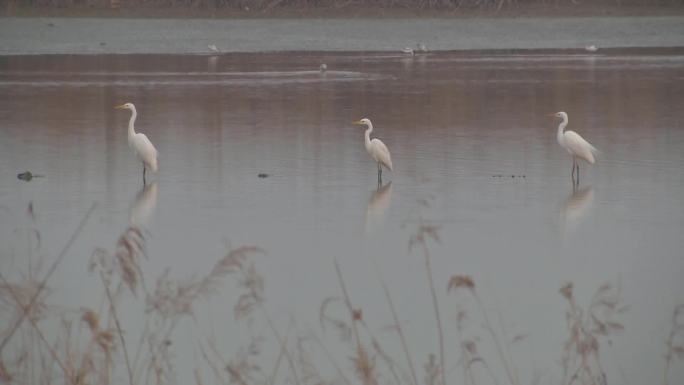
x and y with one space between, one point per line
263 175
50 25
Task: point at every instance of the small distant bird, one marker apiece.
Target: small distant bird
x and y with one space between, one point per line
213 48
141 145
376 148
408 51
591 48
574 144
421 48
323 67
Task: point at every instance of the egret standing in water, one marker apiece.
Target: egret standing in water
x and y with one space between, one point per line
376 148
574 144
143 148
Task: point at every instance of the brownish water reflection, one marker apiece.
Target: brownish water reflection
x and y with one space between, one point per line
474 156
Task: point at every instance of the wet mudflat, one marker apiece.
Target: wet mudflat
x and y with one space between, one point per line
37 35
223 267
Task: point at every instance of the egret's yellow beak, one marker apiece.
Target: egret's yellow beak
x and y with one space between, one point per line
120 107
357 122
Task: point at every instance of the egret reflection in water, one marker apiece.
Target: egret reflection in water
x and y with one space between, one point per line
212 61
144 205
575 207
377 206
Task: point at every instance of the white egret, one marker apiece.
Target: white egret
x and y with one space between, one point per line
421 47
574 144
141 145
591 48
376 148
213 48
323 67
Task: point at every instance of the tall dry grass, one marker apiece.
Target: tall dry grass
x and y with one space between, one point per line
94 345
587 327
674 342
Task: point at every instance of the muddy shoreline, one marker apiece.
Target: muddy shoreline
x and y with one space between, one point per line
349 11
93 36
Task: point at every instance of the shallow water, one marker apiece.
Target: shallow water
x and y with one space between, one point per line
476 164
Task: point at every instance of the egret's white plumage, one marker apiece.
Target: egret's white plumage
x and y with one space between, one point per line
577 146
376 148
574 144
141 145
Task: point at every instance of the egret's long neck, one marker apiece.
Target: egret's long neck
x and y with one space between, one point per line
131 123
368 132
561 127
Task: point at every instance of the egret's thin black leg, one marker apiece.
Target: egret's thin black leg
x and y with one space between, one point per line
379 174
572 174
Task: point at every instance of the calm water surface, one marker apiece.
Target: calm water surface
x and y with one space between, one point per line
476 165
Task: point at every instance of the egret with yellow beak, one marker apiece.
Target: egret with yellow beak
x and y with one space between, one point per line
141 145
376 148
574 144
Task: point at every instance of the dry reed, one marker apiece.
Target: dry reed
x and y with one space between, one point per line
364 364
675 341
581 359
52 269
93 360
469 347
425 233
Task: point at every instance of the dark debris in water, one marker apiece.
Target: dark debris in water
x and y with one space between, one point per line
27 176
263 175
509 176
